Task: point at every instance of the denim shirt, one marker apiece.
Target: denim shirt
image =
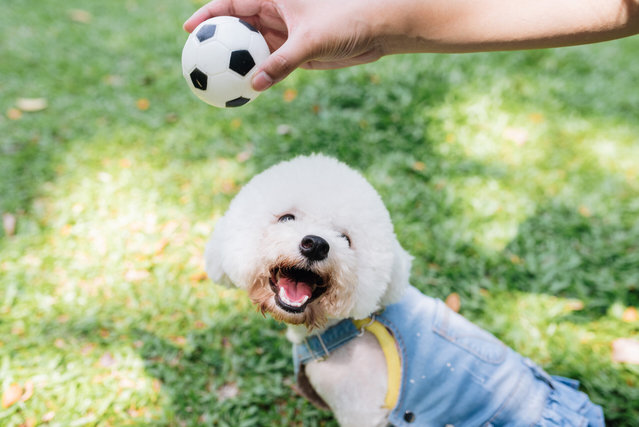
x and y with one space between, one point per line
456 374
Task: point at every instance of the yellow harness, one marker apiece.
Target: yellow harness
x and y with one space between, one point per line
393 363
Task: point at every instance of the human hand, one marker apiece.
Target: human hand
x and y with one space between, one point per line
300 33
340 33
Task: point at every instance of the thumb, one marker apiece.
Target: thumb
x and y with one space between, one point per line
280 64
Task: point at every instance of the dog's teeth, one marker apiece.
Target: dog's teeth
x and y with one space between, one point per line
287 301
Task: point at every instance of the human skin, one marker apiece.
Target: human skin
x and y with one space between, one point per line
340 33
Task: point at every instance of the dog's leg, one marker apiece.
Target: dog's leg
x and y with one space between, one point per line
352 381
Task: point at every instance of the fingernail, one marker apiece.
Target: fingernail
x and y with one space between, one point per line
262 81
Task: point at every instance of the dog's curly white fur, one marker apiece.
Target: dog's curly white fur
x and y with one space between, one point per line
365 268
313 244
258 240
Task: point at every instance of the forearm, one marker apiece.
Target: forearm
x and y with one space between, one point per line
485 25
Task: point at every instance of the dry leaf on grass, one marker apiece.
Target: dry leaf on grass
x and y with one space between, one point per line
14 114
28 391
80 16
630 314
11 395
228 391
625 350
48 416
453 301
143 104
9 224
31 105
289 95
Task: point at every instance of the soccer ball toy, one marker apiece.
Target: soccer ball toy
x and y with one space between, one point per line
219 59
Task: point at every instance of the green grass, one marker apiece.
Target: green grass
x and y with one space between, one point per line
512 177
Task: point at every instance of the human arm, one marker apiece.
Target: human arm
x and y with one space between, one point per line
339 33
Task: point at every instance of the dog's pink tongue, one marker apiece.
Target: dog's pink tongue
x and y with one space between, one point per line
295 291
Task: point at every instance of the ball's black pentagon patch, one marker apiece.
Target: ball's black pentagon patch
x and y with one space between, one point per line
199 79
249 26
206 32
237 102
241 62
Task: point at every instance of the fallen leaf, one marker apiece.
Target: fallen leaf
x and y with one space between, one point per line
171 117
48 416
584 211
161 245
11 395
574 305
106 361
135 412
290 95
536 118
515 259
14 114
29 422
244 155
31 105
200 276
228 186
419 166
625 350
28 391
236 124
114 80
453 301
283 129
80 16
87 349
228 391
143 104
198 324
9 222
179 340
630 314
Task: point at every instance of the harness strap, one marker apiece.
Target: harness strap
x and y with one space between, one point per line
393 363
319 347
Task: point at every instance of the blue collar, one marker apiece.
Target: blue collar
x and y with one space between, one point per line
318 347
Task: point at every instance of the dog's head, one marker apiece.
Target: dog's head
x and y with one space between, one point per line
310 240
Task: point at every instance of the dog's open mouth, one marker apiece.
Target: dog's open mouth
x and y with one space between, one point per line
295 288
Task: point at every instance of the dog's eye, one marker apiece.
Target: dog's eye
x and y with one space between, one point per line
348 239
286 218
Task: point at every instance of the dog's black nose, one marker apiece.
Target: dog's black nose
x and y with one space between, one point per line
314 248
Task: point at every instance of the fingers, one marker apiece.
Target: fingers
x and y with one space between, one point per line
280 64
237 8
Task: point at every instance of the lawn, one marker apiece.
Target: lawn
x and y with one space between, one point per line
513 178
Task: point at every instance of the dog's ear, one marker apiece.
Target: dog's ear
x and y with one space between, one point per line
400 275
214 255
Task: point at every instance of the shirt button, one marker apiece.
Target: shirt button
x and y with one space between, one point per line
409 417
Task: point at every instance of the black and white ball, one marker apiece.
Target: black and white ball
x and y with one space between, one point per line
219 59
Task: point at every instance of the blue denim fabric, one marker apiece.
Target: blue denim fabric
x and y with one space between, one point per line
456 374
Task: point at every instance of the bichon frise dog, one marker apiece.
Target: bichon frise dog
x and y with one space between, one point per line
312 243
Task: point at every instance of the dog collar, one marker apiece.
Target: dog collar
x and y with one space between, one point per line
319 347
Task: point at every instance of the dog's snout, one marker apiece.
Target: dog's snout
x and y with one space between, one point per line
314 248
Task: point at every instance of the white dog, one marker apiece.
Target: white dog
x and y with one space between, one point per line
312 243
